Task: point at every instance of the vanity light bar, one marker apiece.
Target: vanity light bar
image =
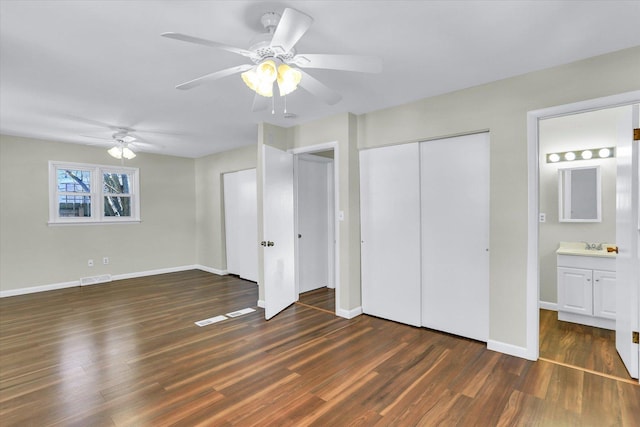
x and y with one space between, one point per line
588 154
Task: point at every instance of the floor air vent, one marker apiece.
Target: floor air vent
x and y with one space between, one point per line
94 280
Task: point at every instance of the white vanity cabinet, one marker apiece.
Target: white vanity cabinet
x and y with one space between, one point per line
586 290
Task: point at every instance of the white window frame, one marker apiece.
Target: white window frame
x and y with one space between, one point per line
97 194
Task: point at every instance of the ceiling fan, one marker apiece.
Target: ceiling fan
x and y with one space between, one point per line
274 60
123 143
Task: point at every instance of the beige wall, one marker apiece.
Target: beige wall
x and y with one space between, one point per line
190 232
587 130
33 253
210 237
501 107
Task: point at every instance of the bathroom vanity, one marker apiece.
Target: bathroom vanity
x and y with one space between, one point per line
586 284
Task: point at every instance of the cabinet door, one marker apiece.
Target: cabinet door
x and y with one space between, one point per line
604 294
390 232
575 290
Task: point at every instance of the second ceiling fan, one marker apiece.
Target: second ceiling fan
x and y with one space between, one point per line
275 62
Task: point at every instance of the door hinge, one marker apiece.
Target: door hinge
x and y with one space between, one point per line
636 134
635 337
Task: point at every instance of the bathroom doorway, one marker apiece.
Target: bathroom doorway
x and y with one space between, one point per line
586 343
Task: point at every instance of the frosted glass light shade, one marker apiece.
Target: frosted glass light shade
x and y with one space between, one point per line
119 152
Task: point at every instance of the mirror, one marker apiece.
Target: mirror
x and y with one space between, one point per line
579 191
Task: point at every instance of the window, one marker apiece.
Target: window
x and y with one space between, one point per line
83 193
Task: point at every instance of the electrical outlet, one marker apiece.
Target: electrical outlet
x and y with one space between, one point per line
543 217
105 260
90 263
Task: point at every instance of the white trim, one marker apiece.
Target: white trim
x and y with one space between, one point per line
510 349
553 306
75 283
349 314
260 303
326 146
212 270
36 289
533 280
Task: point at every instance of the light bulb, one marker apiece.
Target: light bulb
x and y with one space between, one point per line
554 158
570 156
604 152
586 154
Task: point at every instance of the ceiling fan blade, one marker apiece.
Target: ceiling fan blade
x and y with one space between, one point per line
214 76
359 63
291 27
319 89
205 42
260 103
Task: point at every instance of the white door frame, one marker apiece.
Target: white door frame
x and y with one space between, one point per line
531 351
336 206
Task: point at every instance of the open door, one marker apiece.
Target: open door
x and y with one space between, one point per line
278 217
627 224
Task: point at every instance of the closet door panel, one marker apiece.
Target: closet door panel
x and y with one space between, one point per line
231 222
241 223
248 219
390 232
455 235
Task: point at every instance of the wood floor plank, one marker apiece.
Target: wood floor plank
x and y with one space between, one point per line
128 353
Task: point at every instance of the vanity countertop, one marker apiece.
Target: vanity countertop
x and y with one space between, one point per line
578 249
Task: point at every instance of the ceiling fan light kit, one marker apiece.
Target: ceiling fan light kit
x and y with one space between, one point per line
121 151
276 60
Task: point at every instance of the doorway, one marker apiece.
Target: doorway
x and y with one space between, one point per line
599 348
315 229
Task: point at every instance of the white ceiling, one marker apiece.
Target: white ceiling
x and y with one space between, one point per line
70 70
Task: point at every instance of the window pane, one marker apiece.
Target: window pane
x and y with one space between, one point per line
74 206
74 181
117 206
116 183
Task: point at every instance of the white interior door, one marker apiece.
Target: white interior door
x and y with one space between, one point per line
390 232
278 217
313 226
627 227
455 235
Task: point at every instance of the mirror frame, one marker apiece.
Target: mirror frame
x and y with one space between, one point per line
564 194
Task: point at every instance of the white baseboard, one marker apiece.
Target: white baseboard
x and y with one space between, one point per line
512 350
212 270
349 314
35 289
261 303
548 305
55 286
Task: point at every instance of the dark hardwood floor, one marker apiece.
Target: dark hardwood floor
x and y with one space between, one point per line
129 354
322 298
582 346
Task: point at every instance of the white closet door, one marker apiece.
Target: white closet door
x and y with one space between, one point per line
241 223
248 228
455 235
390 231
231 221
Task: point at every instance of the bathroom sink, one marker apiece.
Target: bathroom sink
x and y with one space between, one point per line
579 249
